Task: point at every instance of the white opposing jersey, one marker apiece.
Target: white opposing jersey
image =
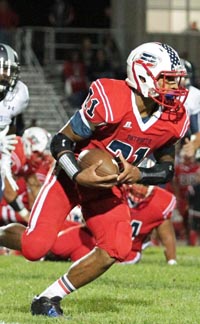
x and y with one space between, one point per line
13 104
192 103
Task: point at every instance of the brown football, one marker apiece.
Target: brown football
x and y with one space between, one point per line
88 157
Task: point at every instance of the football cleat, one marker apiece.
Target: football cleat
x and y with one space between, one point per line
46 306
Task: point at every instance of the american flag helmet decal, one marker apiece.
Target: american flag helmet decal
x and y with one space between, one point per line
174 58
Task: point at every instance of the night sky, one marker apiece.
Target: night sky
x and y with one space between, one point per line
89 13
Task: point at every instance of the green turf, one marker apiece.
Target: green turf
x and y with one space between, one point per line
148 293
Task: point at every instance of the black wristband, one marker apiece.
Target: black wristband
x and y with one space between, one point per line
17 204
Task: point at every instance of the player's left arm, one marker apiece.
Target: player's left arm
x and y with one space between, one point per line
167 237
13 199
162 172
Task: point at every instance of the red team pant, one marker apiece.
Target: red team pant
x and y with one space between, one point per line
105 212
74 241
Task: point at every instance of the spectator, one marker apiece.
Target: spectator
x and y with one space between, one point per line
87 51
113 55
8 21
193 27
75 79
100 67
61 14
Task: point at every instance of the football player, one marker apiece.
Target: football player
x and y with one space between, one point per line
188 170
192 104
31 161
150 207
131 119
14 98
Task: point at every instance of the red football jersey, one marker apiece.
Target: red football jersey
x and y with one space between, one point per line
18 157
111 104
148 215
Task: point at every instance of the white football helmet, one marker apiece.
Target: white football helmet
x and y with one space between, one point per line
150 61
9 69
36 139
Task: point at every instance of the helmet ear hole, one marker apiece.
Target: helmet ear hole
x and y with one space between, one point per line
142 79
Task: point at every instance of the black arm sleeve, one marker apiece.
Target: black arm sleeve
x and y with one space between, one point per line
59 144
62 145
160 173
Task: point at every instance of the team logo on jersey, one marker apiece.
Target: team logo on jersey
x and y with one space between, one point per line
128 124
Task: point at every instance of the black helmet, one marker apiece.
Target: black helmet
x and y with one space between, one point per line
9 69
190 71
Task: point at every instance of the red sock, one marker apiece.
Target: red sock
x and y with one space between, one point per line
193 238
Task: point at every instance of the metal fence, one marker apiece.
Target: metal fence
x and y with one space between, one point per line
51 44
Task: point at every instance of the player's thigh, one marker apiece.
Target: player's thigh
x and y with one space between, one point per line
111 228
48 214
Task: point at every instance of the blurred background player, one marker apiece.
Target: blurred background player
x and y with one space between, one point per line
191 153
14 98
192 104
186 184
31 161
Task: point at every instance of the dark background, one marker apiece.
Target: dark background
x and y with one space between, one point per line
88 13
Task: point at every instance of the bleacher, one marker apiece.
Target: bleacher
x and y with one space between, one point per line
45 107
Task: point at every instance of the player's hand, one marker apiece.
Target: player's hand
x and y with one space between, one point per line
130 174
7 142
6 171
188 150
89 178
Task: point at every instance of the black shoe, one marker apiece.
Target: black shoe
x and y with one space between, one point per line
46 306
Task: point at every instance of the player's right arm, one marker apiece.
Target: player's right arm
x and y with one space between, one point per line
12 198
62 150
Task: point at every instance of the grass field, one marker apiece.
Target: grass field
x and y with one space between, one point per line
148 293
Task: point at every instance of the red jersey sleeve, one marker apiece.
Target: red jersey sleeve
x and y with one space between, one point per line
18 157
106 101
